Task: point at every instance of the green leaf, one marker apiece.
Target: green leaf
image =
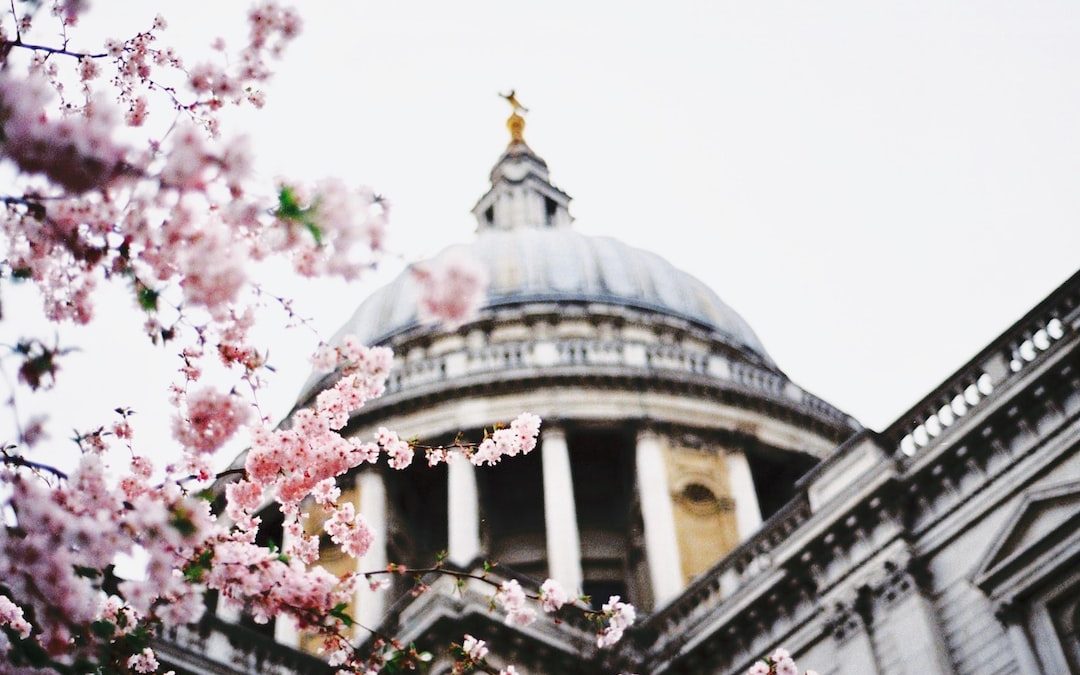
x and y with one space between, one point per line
316 233
147 297
339 612
288 204
289 208
103 629
182 523
198 567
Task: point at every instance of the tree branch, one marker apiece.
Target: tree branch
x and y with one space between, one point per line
63 51
17 460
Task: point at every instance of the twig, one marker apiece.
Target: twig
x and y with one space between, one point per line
17 460
63 51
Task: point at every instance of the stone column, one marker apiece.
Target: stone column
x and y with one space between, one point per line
1012 618
560 515
463 509
747 510
661 544
286 631
226 611
370 605
915 629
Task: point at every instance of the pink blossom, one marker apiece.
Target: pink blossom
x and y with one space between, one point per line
437 456
349 530
451 290
620 616
88 69
518 439
326 492
11 615
473 648
76 152
785 666
512 599
143 662
212 418
552 596
242 498
399 453
325 358
142 466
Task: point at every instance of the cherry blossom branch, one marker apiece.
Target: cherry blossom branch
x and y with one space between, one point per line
15 18
63 51
18 460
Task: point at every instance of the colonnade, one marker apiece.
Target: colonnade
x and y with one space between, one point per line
560 517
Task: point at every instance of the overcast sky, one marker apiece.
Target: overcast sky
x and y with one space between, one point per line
878 188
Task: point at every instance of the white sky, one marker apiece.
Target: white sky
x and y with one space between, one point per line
878 188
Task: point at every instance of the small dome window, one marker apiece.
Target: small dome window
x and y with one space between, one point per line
696 493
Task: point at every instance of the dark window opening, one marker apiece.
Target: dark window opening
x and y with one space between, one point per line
600 592
418 528
601 464
512 514
777 469
550 208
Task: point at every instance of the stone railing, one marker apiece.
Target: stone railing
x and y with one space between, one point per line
476 596
758 378
753 559
524 358
1004 359
232 648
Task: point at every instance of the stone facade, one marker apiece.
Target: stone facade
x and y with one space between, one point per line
679 467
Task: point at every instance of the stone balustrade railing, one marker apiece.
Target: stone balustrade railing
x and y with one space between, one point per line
222 642
1005 358
754 558
506 358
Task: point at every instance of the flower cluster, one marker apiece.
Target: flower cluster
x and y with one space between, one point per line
475 649
76 152
212 418
779 663
620 616
292 462
349 530
451 289
552 596
143 662
471 654
267 584
518 439
11 616
65 536
513 600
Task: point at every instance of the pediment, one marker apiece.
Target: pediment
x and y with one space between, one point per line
1046 518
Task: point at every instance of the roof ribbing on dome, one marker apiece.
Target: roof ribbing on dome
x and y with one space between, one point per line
560 265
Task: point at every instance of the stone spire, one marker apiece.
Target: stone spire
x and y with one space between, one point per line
521 193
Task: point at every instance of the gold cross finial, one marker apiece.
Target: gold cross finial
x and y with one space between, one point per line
515 123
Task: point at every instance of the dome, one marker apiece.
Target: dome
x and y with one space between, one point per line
560 265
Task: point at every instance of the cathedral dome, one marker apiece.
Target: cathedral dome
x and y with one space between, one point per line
560 265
